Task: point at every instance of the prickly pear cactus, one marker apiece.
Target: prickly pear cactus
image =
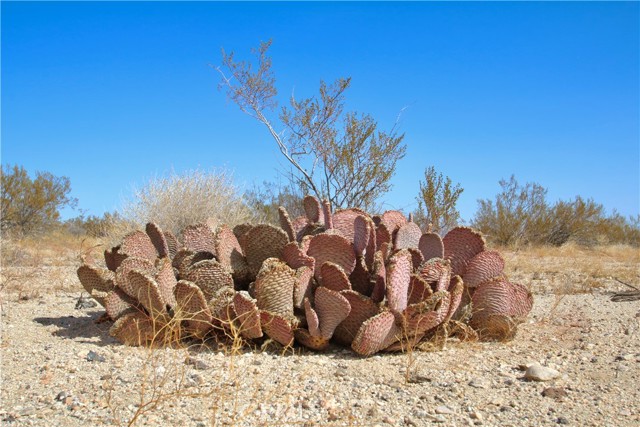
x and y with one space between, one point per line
373 283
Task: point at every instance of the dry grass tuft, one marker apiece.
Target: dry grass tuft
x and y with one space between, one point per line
44 263
573 269
178 200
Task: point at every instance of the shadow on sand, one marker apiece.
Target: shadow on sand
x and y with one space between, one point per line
82 328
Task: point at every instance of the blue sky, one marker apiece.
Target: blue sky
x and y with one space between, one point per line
112 94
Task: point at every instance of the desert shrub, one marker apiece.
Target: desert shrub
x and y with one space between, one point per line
341 156
177 200
93 225
265 200
30 206
520 214
437 202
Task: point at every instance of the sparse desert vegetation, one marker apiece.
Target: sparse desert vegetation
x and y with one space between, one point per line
80 375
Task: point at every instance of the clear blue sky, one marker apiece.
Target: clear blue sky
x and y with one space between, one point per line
111 94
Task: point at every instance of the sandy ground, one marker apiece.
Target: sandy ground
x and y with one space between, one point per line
59 367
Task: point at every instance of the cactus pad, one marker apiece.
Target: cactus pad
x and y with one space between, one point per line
498 307
158 239
398 277
334 248
408 236
192 308
312 209
199 238
247 315
431 246
483 267
286 224
277 328
344 221
362 308
138 244
419 289
229 254
302 288
117 303
313 323
376 334
361 234
460 245
210 276
133 328
393 221
166 280
128 264
96 278
334 277
332 309
305 338
147 293
113 258
261 242
172 243
274 288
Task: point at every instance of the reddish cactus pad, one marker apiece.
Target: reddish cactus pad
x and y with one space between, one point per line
460 245
247 315
431 246
376 334
333 248
332 309
483 267
199 238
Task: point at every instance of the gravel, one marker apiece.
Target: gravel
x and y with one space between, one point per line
60 367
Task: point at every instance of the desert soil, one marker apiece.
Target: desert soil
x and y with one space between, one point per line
60 367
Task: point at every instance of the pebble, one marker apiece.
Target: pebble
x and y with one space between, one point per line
557 393
537 372
85 302
479 383
418 379
92 356
625 357
444 410
196 363
408 421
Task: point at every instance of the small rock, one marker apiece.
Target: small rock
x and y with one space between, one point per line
479 383
10 418
389 420
408 421
85 302
60 397
194 380
444 410
557 393
92 356
341 372
562 420
624 357
538 372
418 378
475 415
196 363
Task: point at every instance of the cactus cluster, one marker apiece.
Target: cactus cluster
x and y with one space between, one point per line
369 282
